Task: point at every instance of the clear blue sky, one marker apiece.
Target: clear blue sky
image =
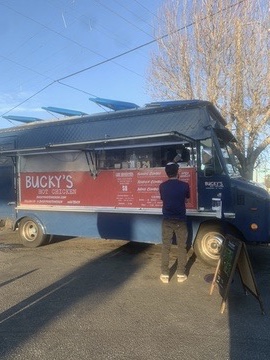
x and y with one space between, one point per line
45 40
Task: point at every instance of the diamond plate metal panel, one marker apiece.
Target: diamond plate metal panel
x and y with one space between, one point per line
192 122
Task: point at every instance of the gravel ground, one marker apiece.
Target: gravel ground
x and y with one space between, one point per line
102 299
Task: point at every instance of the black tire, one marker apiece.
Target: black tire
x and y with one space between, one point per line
208 243
31 233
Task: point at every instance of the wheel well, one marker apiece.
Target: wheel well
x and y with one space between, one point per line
226 228
17 223
32 217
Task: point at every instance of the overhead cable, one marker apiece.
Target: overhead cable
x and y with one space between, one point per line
121 55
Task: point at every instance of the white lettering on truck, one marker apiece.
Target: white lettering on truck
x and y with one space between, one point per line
214 185
48 181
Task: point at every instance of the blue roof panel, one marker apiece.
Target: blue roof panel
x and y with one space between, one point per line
193 121
62 111
114 104
24 119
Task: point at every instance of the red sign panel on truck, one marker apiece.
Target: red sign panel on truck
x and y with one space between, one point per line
112 188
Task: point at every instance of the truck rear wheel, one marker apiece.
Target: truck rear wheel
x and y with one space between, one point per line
31 233
208 243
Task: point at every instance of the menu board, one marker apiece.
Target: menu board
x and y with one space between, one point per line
234 256
138 188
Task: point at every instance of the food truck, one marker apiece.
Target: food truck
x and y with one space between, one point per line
98 176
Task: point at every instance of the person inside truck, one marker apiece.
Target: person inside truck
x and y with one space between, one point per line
182 157
182 154
179 154
170 154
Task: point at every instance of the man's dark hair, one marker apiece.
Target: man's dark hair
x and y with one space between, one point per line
171 170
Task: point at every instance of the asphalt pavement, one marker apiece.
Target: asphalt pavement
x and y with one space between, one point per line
102 299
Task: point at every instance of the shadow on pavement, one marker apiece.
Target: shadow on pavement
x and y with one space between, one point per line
102 275
17 277
249 329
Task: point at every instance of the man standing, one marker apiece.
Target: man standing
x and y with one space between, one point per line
173 193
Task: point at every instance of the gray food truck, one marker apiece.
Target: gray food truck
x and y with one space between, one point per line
98 176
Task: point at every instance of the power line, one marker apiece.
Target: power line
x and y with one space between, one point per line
122 17
146 9
67 38
131 12
25 67
109 59
146 44
52 30
75 88
30 97
121 55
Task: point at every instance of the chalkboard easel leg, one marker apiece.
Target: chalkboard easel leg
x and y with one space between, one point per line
212 288
223 305
215 278
261 306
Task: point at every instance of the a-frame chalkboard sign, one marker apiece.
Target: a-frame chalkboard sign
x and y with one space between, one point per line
234 256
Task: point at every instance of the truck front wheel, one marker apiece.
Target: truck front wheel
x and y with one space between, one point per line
31 233
208 243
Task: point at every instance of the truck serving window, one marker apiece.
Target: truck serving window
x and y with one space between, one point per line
145 157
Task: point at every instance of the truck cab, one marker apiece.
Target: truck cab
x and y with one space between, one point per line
242 206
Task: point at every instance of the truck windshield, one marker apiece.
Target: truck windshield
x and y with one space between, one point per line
211 163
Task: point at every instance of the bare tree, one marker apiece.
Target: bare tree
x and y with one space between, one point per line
218 51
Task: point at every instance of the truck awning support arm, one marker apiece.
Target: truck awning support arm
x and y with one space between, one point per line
91 159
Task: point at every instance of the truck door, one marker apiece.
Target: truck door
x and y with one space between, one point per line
213 180
7 189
